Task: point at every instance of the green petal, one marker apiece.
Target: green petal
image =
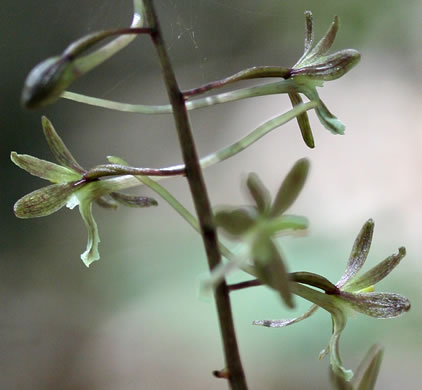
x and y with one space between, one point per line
303 121
328 120
377 304
359 253
291 321
91 253
44 201
106 203
291 187
286 223
58 148
270 267
236 221
367 372
377 273
44 169
308 32
258 192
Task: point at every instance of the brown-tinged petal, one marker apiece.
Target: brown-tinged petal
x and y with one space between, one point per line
303 121
58 148
376 304
44 201
377 273
133 200
359 253
291 321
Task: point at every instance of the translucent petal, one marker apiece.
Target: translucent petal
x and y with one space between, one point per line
291 187
375 274
44 169
58 148
359 253
44 201
291 321
377 304
329 120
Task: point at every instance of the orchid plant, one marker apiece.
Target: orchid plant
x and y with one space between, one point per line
255 227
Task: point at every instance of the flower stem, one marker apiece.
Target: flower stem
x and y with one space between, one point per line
202 205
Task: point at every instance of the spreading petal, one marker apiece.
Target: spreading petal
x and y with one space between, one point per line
291 321
58 148
377 304
44 169
359 253
377 273
44 201
303 121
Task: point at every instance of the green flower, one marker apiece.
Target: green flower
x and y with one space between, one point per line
258 224
312 69
70 188
354 293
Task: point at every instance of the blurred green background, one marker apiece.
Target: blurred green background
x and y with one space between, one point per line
134 319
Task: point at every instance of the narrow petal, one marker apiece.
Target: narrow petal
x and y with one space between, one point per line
133 200
91 253
377 273
291 321
322 47
367 372
308 36
291 187
270 267
377 304
44 201
44 169
359 253
303 121
258 192
58 148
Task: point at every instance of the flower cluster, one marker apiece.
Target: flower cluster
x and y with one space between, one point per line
72 188
259 223
353 293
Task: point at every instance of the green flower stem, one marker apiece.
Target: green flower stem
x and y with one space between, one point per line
201 201
284 86
207 161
